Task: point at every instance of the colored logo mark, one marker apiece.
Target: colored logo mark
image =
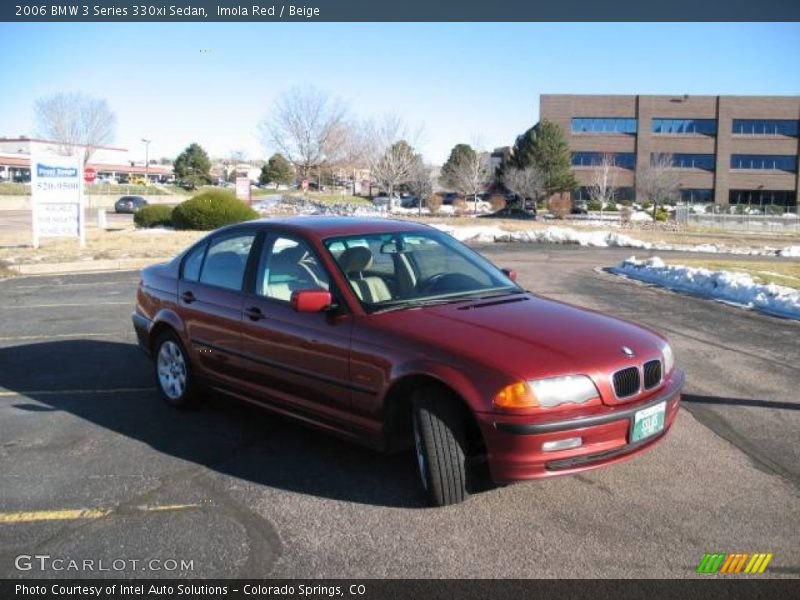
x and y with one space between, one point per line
737 562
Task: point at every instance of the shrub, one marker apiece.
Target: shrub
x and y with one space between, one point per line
498 202
154 215
560 205
662 214
434 203
594 205
459 206
210 210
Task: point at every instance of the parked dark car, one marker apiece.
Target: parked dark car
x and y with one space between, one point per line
395 335
129 204
580 207
511 212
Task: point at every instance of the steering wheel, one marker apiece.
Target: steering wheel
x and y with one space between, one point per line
447 282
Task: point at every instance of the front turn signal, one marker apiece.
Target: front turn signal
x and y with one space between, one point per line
516 395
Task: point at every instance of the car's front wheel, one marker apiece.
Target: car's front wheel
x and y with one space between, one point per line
439 447
173 371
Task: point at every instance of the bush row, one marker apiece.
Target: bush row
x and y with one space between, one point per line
203 212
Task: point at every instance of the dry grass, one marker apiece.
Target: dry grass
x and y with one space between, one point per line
127 243
786 273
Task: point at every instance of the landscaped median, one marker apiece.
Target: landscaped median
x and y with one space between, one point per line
770 287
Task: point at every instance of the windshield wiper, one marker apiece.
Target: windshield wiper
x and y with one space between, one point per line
405 304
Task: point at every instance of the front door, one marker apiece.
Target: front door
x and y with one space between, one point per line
297 362
210 300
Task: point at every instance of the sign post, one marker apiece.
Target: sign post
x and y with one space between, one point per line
57 197
243 189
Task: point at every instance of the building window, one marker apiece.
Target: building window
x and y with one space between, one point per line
685 126
603 125
788 127
623 160
690 161
621 194
769 162
697 195
763 197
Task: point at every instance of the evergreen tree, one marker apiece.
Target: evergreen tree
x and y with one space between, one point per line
193 165
545 147
277 170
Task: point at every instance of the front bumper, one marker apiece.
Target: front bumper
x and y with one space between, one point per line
515 445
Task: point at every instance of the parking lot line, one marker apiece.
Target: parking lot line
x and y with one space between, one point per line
81 513
81 304
7 393
14 338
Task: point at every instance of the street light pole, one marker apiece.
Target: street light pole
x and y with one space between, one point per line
146 160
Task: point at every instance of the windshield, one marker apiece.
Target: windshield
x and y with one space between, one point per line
405 269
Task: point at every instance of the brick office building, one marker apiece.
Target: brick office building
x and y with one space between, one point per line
726 149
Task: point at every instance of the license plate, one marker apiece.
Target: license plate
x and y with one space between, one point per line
648 422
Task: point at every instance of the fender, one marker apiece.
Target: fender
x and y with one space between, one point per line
476 389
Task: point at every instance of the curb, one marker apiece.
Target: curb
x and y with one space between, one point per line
87 266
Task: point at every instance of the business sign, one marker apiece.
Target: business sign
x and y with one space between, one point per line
243 188
56 196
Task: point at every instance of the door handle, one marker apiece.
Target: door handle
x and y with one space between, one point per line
188 297
254 313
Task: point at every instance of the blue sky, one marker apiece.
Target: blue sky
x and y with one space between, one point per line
213 82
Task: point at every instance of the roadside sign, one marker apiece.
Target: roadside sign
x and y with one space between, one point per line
243 188
304 184
56 196
89 175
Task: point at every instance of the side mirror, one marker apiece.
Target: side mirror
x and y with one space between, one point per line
311 301
510 273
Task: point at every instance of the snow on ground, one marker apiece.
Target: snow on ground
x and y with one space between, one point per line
725 286
790 251
600 239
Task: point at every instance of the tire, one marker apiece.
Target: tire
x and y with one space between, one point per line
173 373
439 447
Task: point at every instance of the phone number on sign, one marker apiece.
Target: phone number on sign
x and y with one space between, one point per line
84 10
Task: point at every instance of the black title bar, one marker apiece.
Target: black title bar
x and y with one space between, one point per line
400 10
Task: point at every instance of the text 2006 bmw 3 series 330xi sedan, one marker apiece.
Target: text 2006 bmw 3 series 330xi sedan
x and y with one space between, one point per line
397 336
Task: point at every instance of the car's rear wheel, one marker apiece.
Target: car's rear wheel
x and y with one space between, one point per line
439 447
173 371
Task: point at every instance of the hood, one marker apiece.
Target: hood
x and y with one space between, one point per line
527 336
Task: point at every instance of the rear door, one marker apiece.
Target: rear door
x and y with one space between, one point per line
297 362
210 300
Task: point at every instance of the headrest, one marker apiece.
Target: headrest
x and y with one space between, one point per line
355 260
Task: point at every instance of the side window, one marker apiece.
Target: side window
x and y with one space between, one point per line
226 260
192 263
288 265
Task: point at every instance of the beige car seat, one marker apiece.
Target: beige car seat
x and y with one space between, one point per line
354 261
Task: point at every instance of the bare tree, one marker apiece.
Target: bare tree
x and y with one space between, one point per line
394 167
469 173
75 122
603 188
658 181
420 181
526 183
307 127
387 152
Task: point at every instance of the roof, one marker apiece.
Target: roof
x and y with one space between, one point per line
324 227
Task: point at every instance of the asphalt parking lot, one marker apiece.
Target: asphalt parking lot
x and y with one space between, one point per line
242 494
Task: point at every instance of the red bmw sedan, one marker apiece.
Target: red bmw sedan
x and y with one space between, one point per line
395 335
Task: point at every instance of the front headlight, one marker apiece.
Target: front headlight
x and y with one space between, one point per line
669 359
547 393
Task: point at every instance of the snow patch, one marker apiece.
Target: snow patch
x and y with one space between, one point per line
725 286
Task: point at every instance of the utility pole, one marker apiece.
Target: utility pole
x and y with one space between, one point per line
146 160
